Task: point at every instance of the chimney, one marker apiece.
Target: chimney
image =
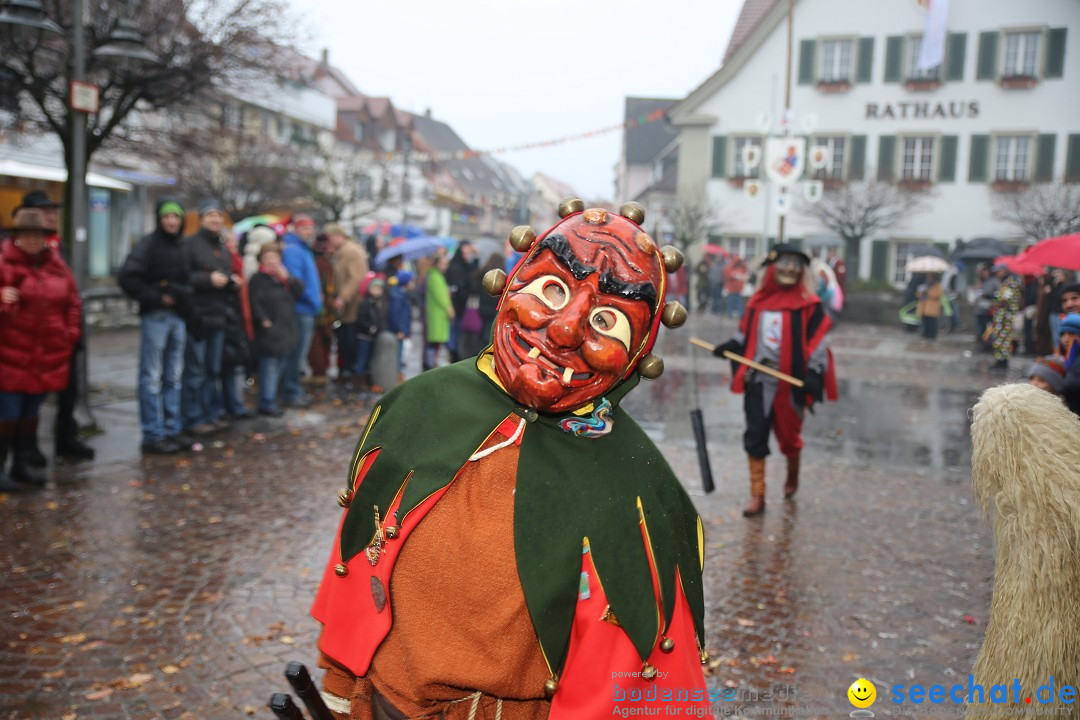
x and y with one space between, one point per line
427 112
325 57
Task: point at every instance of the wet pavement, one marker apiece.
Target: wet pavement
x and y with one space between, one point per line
179 587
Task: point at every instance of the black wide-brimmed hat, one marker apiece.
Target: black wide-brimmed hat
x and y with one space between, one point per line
37 199
784 249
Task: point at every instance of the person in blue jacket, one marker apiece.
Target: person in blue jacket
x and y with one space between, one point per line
299 259
399 315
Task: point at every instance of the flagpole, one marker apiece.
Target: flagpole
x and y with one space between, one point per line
787 95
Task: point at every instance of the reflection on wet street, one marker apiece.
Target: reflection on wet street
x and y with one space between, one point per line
179 588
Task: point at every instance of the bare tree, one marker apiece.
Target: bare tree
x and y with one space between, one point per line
199 43
1041 211
862 209
347 185
249 174
692 220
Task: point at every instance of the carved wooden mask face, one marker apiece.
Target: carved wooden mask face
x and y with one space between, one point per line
578 313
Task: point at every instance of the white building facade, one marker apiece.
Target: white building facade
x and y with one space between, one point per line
1002 111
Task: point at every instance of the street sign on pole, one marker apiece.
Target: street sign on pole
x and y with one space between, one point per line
84 97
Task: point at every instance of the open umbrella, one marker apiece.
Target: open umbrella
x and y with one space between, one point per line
927 264
1020 265
1060 252
982 248
251 221
409 249
714 249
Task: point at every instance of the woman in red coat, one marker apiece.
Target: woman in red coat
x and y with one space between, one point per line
39 326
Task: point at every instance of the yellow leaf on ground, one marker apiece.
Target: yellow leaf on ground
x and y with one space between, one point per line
170 669
74 639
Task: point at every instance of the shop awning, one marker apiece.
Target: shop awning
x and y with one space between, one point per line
14 168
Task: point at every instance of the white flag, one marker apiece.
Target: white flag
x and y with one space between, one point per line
932 50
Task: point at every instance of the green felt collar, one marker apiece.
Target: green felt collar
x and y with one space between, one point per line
567 488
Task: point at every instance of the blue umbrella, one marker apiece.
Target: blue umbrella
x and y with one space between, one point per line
409 249
411 232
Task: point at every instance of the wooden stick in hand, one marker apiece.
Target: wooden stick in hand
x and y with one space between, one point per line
749 363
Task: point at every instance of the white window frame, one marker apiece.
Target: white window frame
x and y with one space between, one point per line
925 165
836 73
738 172
912 45
745 246
1026 168
1040 51
829 171
899 263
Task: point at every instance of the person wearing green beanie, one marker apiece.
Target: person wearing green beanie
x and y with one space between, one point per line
156 276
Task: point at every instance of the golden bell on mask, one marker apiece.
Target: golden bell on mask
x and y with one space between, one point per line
571 205
673 258
633 212
651 367
494 281
674 314
522 237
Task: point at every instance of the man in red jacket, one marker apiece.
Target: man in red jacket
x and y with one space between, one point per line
65 428
40 324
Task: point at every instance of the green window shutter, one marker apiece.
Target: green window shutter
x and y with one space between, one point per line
1072 159
857 159
1055 53
894 53
879 260
943 247
865 72
719 156
955 51
886 161
807 55
947 160
1044 158
980 154
988 50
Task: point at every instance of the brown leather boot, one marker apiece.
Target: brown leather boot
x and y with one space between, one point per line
792 485
756 506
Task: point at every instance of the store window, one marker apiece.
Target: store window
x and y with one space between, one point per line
835 153
835 61
918 159
744 247
739 170
1012 158
1021 54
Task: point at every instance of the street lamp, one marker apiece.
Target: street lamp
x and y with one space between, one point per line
124 44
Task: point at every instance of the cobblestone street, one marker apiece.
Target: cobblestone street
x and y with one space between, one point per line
179 587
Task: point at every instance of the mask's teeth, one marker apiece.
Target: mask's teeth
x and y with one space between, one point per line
566 375
534 353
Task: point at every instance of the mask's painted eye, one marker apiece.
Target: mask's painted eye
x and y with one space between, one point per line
611 322
551 291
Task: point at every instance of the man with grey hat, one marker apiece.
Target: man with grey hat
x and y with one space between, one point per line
212 282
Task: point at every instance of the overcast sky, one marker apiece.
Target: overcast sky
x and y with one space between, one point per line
508 72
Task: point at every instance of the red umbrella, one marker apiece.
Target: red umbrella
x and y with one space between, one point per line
1020 265
1060 252
714 249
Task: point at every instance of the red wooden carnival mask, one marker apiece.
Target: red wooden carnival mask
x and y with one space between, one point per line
580 311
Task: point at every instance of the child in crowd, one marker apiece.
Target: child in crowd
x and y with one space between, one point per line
1069 347
1047 373
273 310
370 321
399 314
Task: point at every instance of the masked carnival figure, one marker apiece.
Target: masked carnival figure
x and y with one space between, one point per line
784 327
514 546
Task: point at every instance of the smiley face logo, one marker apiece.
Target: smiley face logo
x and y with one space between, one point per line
862 693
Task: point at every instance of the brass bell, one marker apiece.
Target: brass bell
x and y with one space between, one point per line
651 367
571 205
522 237
343 498
648 672
494 281
551 685
340 570
391 531
667 645
673 258
633 212
674 314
